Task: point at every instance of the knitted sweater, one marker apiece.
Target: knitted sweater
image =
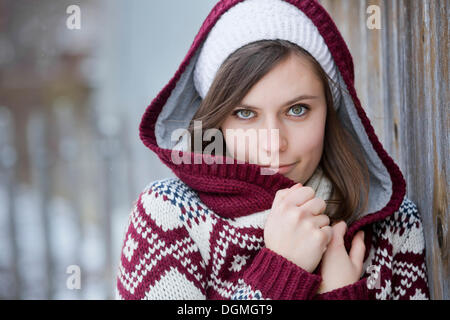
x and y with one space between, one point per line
177 248
200 235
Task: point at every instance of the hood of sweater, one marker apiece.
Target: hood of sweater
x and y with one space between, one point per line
238 189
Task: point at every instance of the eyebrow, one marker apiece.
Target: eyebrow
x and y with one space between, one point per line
300 97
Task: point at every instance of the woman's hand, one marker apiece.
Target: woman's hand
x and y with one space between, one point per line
339 269
296 227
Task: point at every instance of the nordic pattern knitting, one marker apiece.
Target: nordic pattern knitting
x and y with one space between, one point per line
176 248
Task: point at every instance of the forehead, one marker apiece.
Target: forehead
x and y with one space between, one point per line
290 78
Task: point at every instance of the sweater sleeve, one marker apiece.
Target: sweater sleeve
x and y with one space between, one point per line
356 291
159 260
409 271
271 276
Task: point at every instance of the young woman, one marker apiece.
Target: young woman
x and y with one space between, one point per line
314 208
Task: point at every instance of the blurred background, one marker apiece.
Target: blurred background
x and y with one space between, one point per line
71 161
71 100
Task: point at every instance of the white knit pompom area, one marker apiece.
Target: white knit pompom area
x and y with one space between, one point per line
254 20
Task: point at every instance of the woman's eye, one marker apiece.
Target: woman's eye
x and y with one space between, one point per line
245 114
298 110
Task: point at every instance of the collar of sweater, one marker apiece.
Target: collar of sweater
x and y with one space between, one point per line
237 189
321 185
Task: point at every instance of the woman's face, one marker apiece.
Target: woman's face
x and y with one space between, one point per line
276 102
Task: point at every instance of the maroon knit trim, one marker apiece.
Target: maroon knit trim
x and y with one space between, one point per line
147 126
280 279
354 291
238 178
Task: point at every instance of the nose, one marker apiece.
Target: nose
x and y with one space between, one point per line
273 137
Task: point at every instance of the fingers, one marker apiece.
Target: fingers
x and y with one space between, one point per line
282 193
321 220
358 249
279 196
297 196
339 230
315 206
328 231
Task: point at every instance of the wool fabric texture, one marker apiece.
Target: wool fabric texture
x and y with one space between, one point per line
201 235
254 20
177 248
320 184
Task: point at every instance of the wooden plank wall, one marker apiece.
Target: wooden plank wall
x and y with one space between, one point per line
401 76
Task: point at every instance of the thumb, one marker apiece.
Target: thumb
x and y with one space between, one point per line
358 249
339 230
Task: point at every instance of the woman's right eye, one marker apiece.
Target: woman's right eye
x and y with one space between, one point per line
245 114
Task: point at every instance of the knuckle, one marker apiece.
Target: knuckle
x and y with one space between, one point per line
309 191
323 204
328 233
320 236
301 213
291 215
278 196
280 192
307 224
282 205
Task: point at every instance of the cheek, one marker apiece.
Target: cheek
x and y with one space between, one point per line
309 141
234 144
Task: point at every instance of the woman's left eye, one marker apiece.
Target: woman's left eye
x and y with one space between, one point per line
298 110
245 114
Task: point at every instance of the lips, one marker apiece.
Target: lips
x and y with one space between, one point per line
282 168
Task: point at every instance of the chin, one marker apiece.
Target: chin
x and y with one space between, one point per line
295 176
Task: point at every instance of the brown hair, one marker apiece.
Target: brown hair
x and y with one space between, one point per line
342 161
